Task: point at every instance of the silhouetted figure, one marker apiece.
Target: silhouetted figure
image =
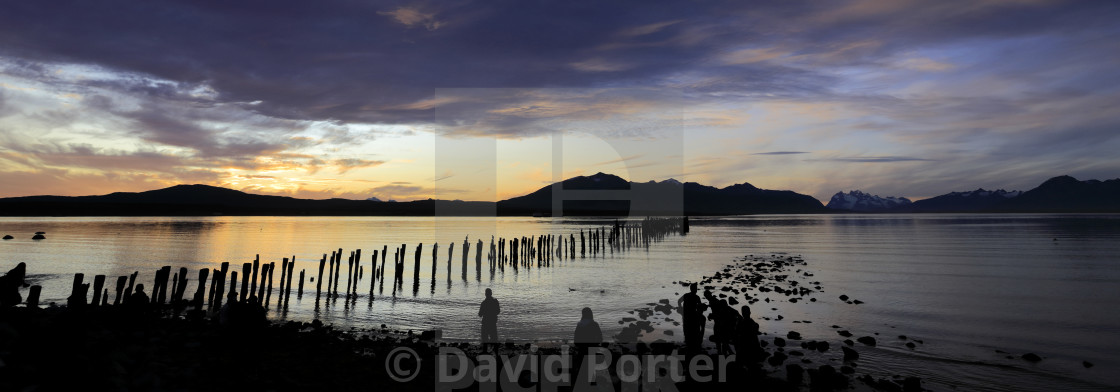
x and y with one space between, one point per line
587 330
746 338
692 314
489 312
254 313
231 313
10 284
138 300
724 319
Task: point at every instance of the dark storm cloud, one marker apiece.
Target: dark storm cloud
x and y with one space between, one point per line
367 61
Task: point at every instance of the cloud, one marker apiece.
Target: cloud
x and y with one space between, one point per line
873 159
780 153
412 17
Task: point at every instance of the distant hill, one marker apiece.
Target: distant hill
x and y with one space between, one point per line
863 202
1058 194
972 201
669 197
193 200
1067 194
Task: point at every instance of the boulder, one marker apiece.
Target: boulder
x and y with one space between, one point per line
779 342
38 237
870 341
844 333
1032 357
8 237
849 354
793 335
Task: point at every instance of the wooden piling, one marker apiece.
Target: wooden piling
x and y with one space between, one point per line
121 281
283 276
198 294
75 301
299 294
319 282
98 282
246 271
253 283
131 285
271 268
291 269
33 296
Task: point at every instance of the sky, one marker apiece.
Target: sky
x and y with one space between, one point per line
485 100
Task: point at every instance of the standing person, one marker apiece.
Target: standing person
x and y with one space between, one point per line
692 314
489 312
723 327
746 338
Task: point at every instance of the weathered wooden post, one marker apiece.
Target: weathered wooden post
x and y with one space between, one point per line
271 268
33 296
201 291
74 301
466 251
416 264
98 282
337 269
246 270
299 294
435 260
256 267
319 282
291 268
121 281
182 285
232 282
261 286
131 284
283 276
163 275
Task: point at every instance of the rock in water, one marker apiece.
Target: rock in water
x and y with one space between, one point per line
845 333
1086 364
38 237
793 335
849 354
779 342
912 384
8 237
843 297
1032 357
870 341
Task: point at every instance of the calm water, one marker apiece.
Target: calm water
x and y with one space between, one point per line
967 285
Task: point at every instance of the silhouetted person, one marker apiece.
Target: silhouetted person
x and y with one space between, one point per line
692 315
10 284
724 319
254 313
746 338
138 300
489 312
231 313
587 330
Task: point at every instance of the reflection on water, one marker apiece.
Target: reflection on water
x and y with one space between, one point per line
967 284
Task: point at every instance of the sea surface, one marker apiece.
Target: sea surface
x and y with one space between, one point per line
973 288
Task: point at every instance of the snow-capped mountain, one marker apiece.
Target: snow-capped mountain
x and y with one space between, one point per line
864 202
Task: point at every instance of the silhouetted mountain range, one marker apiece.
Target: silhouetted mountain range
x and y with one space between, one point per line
668 197
598 194
1058 194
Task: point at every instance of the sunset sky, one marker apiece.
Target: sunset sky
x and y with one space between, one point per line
468 100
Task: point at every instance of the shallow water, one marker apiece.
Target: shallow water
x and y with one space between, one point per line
967 285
